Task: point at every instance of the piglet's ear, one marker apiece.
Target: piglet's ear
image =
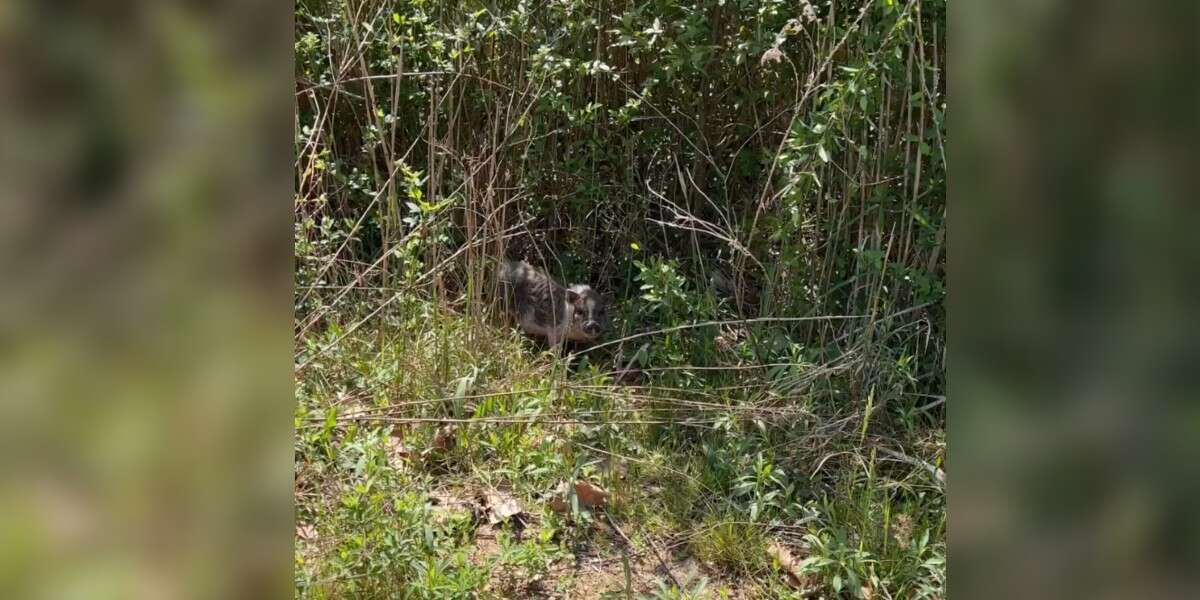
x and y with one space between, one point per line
573 297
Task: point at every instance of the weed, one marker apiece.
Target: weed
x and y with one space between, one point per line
687 589
730 544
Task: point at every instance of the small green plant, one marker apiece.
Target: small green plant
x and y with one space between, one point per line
688 589
528 560
732 544
846 567
664 290
765 489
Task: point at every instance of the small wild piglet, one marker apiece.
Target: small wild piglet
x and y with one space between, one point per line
544 308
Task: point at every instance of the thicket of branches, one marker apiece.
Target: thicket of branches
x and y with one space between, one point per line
694 159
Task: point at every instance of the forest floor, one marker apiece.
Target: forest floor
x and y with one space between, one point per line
439 459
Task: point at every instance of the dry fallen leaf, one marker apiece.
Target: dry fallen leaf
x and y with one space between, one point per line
786 561
790 565
559 504
306 532
902 530
501 507
444 438
589 496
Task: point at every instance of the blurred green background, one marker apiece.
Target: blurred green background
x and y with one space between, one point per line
145 168
1073 275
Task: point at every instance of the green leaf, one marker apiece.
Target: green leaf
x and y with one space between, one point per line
635 246
330 418
823 153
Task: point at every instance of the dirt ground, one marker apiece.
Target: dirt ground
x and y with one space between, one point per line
598 572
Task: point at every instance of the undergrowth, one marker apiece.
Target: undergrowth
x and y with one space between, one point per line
758 189
711 475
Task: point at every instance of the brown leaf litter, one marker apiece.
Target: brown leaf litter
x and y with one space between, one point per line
500 507
803 582
589 496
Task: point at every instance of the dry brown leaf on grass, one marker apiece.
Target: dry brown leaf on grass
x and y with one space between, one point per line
306 532
787 563
902 530
444 438
500 507
559 504
589 496
790 565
